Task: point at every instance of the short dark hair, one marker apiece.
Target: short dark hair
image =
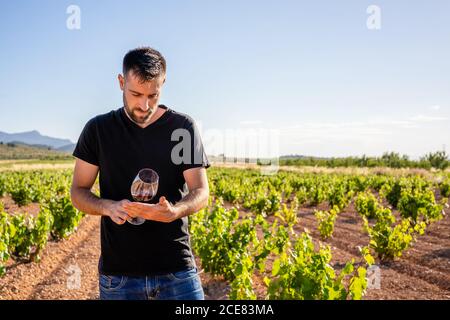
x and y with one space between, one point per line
145 62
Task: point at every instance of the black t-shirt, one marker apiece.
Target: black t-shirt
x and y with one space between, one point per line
120 148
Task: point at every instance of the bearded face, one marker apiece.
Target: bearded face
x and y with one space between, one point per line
140 99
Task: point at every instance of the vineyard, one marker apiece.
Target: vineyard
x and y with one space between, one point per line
293 235
23 235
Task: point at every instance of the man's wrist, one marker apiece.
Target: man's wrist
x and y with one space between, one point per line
104 207
178 210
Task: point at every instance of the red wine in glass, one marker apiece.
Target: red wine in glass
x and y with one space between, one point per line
143 189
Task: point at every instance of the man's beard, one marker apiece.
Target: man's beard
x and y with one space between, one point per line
136 118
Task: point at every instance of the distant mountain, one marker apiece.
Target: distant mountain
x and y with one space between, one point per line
35 138
20 150
67 148
40 146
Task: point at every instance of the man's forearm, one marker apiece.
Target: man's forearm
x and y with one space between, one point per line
87 202
194 201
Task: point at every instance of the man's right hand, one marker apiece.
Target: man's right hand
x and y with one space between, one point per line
115 210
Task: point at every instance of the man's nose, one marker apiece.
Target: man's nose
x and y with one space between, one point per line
144 105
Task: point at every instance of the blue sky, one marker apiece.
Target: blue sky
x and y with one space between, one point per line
311 71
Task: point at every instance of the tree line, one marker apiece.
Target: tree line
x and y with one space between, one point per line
437 160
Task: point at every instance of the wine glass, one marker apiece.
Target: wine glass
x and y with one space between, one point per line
143 189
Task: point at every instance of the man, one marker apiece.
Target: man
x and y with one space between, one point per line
152 260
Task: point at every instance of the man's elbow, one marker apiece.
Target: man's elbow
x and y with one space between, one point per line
74 196
205 197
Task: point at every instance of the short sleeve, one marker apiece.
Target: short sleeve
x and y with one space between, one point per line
87 145
198 155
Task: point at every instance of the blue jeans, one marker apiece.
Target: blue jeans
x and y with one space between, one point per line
181 285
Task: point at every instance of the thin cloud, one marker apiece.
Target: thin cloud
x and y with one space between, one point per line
373 130
424 118
250 122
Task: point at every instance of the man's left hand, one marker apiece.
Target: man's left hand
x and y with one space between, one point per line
163 211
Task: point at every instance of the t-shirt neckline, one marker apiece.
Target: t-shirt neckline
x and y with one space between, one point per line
153 125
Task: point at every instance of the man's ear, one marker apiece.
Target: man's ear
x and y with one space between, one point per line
121 81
